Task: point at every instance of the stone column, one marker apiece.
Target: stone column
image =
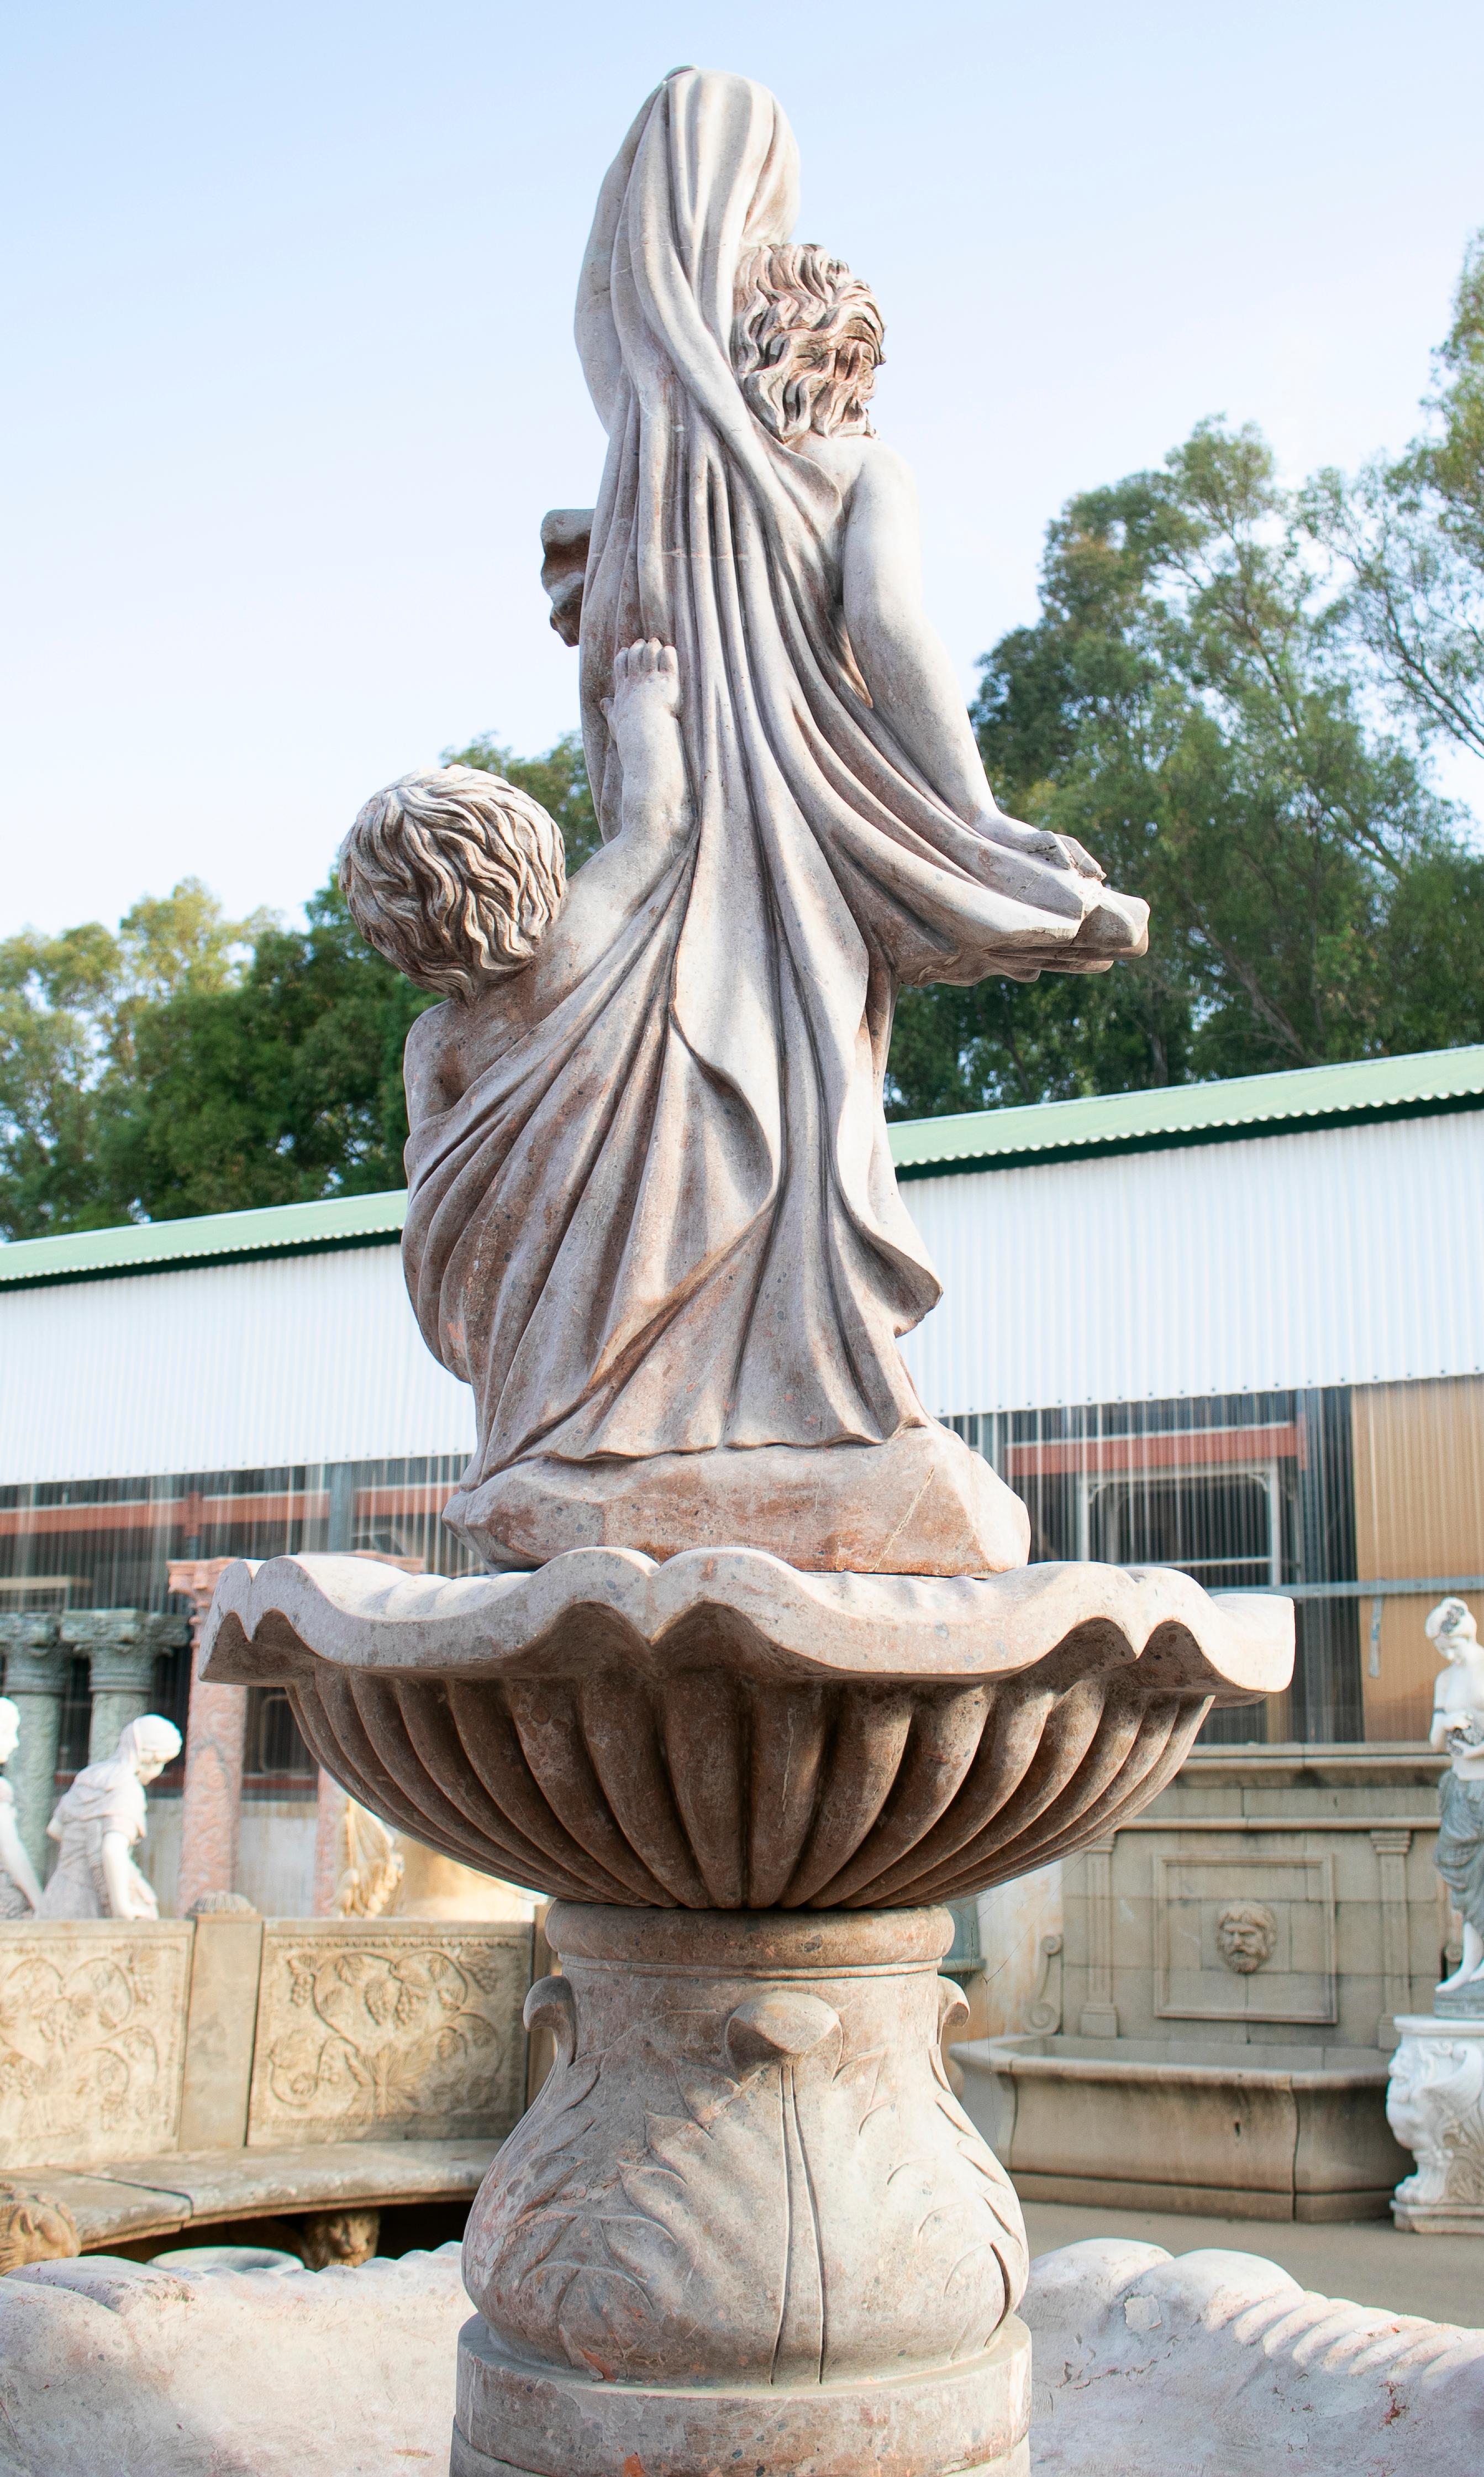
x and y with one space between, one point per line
212 1806
326 1845
1098 2017
35 1681
1391 1847
122 1646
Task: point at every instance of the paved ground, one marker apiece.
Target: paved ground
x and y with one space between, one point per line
1368 2260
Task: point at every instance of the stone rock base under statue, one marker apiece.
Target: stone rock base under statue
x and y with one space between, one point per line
1435 2104
746 2223
921 1503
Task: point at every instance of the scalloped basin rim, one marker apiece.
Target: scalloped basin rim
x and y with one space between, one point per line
270 1623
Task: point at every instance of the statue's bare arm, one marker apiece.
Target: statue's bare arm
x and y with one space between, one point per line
657 818
451 1044
905 662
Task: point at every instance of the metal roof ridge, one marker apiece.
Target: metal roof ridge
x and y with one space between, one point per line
320 1223
1168 1113
1158 1116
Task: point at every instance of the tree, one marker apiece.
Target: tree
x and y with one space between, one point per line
1186 707
1409 536
70 1008
191 1063
559 781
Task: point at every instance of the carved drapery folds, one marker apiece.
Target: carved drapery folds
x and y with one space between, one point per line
720 1732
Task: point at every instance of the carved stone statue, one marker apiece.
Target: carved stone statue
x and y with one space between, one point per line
759 1674
20 1893
1458 1731
369 1881
1435 2106
652 1218
99 1820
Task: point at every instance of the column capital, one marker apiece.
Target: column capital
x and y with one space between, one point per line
93 1630
1392 1843
28 1630
36 1663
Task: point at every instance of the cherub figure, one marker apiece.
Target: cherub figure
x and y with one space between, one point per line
459 879
1458 1731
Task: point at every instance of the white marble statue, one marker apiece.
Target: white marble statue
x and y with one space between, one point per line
1458 1731
653 1218
99 1820
21 1895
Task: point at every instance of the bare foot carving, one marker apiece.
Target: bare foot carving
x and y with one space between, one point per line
643 717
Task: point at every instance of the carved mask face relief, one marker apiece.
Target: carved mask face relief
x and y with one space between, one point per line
1246 1935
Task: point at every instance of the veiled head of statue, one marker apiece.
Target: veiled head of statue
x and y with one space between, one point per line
805 341
455 876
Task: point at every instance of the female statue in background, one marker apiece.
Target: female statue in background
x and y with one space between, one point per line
21 1895
1458 1732
658 1226
98 1823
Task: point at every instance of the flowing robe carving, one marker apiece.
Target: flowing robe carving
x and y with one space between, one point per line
666 1221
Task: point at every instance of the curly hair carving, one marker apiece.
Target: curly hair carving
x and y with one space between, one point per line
807 340
455 876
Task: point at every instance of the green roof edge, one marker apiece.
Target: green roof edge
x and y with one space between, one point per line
1451 1081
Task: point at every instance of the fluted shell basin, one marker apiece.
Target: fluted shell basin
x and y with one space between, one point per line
720 1732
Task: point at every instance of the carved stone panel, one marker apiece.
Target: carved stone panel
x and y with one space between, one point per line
92 2037
405 2027
1245 1939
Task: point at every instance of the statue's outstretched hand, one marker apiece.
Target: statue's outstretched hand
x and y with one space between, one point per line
1061 851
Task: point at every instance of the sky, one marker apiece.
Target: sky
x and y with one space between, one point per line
290 383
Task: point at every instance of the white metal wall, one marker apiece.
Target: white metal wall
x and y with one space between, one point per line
227 1367
1343 1255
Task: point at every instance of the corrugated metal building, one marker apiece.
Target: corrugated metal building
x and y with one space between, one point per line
1237 1327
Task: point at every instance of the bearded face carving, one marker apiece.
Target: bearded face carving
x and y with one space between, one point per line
1246 1936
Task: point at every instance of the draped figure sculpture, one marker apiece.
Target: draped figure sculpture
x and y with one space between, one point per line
652 1216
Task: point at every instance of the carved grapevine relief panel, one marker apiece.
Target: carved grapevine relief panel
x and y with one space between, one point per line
399 2029
92 2026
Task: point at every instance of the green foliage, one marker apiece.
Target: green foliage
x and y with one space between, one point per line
191 1063
1188 708
1409 537
70 1010
559 781
283 1087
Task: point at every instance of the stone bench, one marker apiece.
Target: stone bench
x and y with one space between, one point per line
184 2072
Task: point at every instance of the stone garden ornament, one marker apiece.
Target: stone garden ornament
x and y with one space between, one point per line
1435 2095
1458 1732
99 1822
757 1674
20 1893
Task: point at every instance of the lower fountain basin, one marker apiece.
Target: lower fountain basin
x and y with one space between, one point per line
722 1731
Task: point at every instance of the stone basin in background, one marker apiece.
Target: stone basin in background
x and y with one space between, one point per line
1188 2125
723 1732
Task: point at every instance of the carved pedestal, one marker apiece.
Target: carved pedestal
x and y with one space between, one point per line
1435 2104
745 2224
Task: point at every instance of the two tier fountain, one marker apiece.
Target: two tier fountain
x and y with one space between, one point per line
757 1674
